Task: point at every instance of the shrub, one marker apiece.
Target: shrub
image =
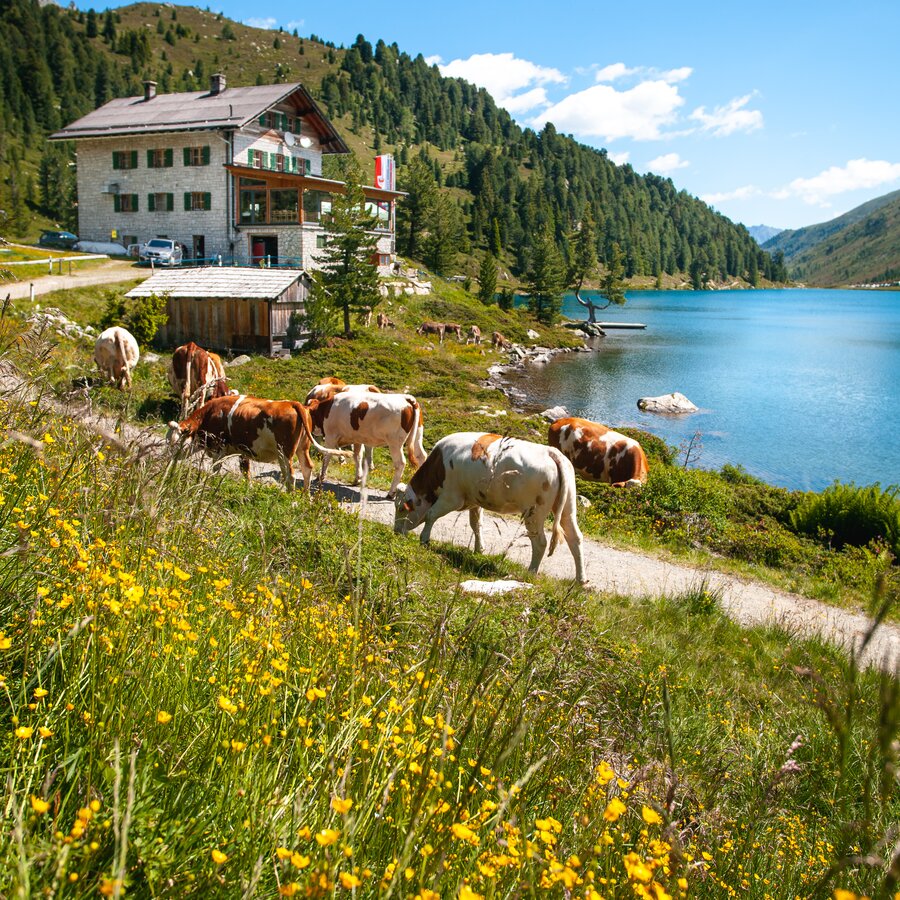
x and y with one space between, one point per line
847 514
142 316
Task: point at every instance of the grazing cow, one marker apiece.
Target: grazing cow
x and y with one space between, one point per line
365 316
374 420
456 329
475 471
328 387
384 322
599 454
195 370
116 353
264 430
432 328
474 336
499 340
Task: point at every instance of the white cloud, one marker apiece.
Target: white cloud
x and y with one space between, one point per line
296 23
267 22
666 163
435 60
731 117
506 78
620 158
856 174
618 70
741 193
601 111
673 76
614 71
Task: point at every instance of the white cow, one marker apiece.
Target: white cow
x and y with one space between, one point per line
375 420
116 353
475 471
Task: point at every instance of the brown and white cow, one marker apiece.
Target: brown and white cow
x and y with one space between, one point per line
195 370
475 471
373 420
499 340
116 353
264 430
474 336
432 328
454 328
329 386
384 322
598 453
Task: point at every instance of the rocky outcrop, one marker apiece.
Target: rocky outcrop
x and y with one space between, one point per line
555 412
667 403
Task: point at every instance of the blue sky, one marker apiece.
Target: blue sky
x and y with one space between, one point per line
778 113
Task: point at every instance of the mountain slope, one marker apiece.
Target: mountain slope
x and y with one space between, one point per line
865 250
510 183
763 233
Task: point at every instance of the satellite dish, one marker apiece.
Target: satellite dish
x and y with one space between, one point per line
306 142
289 139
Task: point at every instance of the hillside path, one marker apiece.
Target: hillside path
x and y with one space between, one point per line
108 273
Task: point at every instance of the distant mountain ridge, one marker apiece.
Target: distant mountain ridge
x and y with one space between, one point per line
861 246
763 233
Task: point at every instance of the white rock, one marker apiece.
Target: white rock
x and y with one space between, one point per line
541 359
554 413
667 403
583 501
532 334
241 360
151 358
493 587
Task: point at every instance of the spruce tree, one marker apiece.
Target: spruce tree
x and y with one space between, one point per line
487 279
413 212
613 282
446 234
546 278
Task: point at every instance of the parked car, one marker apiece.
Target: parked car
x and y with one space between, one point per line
61 240
134 250
110 248
162 251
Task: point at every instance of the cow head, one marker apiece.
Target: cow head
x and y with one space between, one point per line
410 509
175 435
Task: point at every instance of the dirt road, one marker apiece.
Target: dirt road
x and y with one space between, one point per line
105 273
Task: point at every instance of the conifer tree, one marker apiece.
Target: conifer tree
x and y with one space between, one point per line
413 212
613 281
546 278
487 279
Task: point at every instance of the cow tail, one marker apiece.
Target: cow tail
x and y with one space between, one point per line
413 442
565 495
120 353
344 454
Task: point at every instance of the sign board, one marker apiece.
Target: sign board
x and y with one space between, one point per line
113 235
385 173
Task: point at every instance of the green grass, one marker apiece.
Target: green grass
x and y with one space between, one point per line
216 690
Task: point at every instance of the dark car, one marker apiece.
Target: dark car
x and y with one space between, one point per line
61 240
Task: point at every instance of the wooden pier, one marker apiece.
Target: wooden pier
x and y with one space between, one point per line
631 325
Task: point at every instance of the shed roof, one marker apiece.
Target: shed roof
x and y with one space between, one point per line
219 282
231 108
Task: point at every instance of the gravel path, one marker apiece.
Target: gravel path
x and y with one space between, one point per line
107 273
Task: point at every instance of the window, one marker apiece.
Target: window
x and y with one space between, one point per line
125 159
128 239
196 156
125 202
160 159
197 201
321 241
285 206
160 202
280 121
380 210
316 205
253 207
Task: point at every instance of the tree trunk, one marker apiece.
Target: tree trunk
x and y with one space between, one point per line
346 319
589 305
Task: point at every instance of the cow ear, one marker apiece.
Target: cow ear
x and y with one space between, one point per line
407 506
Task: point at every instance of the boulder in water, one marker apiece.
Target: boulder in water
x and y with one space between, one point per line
667 403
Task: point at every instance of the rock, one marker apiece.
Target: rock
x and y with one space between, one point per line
592 329
151 358
532 334
583 501
667 403
241 360
501 586
554 413
541 358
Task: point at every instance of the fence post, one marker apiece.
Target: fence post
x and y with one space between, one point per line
49 265
31 292
220 260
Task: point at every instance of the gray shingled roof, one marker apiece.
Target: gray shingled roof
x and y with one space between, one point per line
219 282
234 107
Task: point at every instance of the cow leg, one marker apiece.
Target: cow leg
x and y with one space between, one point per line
326 458
286 464
574 540
399 459
475 522
305 466
441 507
357 462
245 467
535 528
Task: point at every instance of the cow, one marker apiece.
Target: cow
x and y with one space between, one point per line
598 453
329 386
383 321
499 340
456 329
365 316
374 420
475 471
432 328
116 353
264 430
474 336
193 370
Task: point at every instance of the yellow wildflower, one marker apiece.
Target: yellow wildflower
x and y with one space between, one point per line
464 833
650 816
288 890
38 805
180 574
163 718
349 881
45 732
218 857
340 805
39 693
24 732
327 837
226 704
466 893
615 809
299 861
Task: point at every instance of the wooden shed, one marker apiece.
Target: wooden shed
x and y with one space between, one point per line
225 308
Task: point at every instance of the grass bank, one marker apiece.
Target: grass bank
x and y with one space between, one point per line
215 690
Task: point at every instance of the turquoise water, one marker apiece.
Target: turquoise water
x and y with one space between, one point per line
800 387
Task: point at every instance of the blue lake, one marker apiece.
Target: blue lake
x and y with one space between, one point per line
800 387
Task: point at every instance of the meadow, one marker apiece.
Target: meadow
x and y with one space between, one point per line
211 689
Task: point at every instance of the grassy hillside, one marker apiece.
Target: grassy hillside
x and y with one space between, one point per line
216 690
861 246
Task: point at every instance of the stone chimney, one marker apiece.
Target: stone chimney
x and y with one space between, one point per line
217 83
149 90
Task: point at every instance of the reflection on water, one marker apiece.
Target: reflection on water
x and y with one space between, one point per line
799 387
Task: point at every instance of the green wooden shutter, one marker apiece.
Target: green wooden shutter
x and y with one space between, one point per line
307 166
116 159
134 200
207 201
187 156
187 201
117 203
206 155
134 159
169 160
149 159
170 202
151 203
262 120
